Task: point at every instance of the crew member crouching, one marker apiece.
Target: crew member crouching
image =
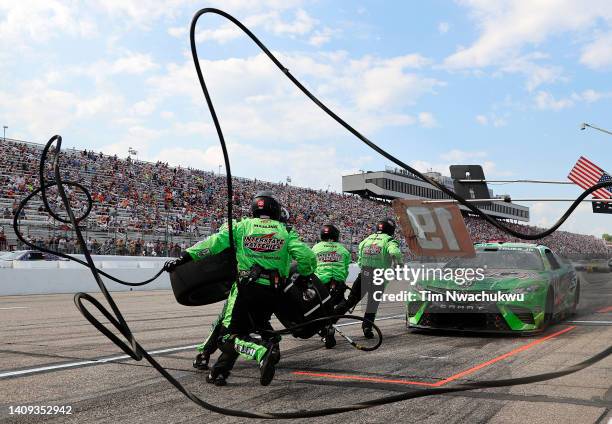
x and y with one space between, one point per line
211 344
333 261
264 249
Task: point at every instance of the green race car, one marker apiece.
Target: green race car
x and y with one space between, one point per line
514 287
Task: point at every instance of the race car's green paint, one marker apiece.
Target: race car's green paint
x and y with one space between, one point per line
537 286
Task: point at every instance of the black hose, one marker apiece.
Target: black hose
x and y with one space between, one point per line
131 347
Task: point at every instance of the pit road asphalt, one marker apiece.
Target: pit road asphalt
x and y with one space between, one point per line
49 355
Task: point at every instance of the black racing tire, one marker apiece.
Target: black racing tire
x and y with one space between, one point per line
295 309
205 281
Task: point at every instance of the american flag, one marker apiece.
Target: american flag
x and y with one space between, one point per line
586 174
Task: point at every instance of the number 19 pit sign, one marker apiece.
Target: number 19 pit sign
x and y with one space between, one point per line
433 229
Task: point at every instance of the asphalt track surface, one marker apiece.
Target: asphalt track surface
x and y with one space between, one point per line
49 355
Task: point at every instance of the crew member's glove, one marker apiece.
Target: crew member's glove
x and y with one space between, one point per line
171 265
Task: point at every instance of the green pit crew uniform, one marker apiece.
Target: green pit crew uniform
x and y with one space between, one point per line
210 344
333 261
264 250
377 251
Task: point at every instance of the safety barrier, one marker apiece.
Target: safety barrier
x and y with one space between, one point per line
54 277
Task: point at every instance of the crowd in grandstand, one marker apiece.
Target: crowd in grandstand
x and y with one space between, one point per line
156 199
562 242
114 246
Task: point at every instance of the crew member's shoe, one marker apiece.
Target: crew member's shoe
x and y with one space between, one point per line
220 381
217 379
367 325
201 362
276 350
267 366
329 338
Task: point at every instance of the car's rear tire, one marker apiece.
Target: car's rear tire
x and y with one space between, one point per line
549 309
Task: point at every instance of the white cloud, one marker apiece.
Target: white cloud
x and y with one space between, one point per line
142 14
443 27
583 220
591 96
499 122
536 74
129 63
509 28
546 101
456 155
136 137
427 120
386 83
321 37
221 34
482 119
303 163
303 23
493 119
40 21
134 63
42 109
178 32
143 107
598 54
256 102
272 21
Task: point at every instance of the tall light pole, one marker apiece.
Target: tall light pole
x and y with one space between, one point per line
219 170
4 127
584 125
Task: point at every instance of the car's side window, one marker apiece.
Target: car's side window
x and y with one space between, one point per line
35 256
554 264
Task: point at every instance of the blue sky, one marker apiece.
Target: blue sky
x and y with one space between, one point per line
505 84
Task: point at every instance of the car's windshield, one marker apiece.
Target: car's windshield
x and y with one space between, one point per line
524 259
11 256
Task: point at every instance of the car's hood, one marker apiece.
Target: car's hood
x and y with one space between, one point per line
501 279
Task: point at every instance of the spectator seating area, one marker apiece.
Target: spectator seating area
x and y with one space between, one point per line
144 208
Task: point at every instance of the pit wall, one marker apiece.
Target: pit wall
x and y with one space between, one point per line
52 277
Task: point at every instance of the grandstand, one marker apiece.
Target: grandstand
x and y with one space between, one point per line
144 208
393 183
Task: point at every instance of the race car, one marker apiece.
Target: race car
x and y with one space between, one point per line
29 255
517 287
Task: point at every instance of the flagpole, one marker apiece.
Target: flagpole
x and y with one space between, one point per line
516 181
508 200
